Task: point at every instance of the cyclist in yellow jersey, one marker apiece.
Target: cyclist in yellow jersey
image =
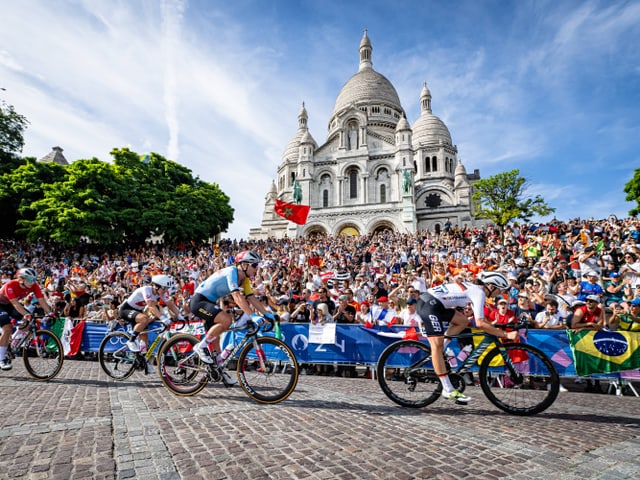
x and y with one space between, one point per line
235 281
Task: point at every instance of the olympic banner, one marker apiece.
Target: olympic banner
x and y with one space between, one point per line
355 344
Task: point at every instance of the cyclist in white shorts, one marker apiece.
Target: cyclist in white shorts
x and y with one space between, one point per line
438 306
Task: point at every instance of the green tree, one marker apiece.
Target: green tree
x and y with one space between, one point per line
502 198
128 200
20 187
84 203
632 189
12 126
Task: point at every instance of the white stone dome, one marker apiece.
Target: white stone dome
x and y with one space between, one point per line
367 87
430 129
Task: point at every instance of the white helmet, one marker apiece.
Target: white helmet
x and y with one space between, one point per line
248 256
496 279
164 281
27 273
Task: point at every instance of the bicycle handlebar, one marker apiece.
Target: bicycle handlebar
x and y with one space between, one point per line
521 325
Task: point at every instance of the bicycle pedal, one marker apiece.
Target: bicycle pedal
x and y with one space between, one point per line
458 402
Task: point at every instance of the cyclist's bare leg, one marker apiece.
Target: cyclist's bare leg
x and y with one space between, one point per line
437 355
7 330
222 323
142 321
458 323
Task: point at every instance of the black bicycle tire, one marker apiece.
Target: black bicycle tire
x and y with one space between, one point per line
25 356
103 357
387 386
246 376
168 380
501 403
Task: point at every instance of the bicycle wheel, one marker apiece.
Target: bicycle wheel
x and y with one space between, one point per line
43 355
179 367
115 358
267 370
533 387
406 375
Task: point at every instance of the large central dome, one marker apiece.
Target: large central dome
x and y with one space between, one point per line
367 86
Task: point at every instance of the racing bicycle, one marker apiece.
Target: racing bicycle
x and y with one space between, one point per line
516 377
267 368
40 349
119 362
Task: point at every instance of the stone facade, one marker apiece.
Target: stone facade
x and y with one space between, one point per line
374 171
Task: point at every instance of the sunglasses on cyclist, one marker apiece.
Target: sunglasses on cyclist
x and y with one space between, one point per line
30 279
254 265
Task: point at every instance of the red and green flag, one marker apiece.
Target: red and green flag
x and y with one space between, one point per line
295 213
604 351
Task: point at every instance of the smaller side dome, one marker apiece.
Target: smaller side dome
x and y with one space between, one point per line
460 170
403 125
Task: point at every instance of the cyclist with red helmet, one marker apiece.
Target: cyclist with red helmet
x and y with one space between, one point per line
11 293
234 280
437 306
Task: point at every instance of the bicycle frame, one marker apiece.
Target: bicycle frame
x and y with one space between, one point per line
488 340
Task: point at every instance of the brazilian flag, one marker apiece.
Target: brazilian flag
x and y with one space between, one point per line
604 351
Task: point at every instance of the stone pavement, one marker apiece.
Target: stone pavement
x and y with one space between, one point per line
83 426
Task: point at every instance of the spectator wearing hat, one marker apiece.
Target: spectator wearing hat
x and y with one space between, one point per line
589 316
382 313
590 286
410 316
363 315
524 310
613 291
626 319
502 315
339 315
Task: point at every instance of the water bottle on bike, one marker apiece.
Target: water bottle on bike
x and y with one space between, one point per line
224 354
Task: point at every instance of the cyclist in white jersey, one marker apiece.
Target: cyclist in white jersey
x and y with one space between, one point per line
438 306
235 281
144 298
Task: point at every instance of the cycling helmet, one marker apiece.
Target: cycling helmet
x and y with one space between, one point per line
27 273
248 256
164 281
496 279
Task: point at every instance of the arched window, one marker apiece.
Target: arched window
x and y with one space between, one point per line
383 194
434 164
325 198
353 183
427 164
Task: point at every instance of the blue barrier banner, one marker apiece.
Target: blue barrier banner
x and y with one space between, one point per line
356 344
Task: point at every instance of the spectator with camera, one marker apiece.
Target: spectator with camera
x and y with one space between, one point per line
626 319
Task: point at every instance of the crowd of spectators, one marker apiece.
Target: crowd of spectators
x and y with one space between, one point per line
552 267
587 270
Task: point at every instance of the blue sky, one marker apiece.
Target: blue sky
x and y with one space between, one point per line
551 88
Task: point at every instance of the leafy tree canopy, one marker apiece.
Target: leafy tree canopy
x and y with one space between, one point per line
128 200
632 189
12 126
502 198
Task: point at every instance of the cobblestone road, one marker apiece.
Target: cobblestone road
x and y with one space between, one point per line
83 426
